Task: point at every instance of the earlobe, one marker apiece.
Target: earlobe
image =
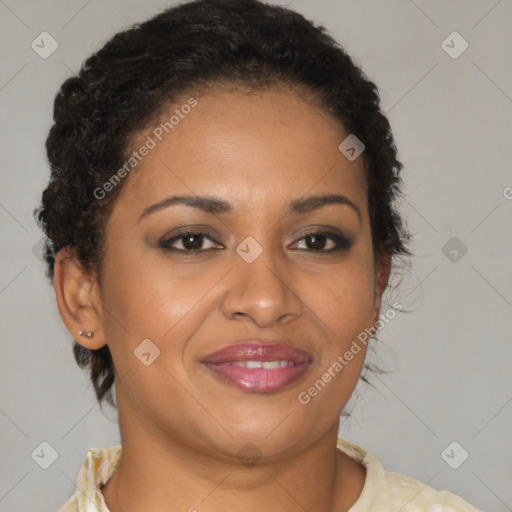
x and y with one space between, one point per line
78 300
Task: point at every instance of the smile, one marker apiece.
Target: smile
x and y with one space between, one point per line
257 367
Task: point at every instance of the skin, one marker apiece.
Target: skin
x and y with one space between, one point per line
179 422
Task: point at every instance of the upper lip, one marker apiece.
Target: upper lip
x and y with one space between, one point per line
257 351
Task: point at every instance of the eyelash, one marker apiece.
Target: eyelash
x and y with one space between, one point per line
342 243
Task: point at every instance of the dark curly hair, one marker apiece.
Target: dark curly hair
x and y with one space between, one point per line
139 72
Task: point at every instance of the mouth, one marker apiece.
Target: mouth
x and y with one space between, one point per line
259 367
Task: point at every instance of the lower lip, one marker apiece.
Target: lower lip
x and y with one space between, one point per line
259 380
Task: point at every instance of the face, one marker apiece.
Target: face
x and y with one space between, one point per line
258 263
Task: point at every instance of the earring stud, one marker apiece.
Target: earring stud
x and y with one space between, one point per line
86 334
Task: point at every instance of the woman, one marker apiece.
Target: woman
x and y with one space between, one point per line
220 233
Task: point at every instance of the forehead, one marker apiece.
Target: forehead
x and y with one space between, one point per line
262 147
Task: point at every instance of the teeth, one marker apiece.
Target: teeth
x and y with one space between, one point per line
267 365
270 365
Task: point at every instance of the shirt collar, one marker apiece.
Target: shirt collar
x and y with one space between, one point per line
98 467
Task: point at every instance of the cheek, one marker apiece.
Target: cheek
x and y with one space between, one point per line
343 298
344 303
151 299
157 303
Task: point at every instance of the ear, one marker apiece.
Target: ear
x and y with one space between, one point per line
381 281
78 299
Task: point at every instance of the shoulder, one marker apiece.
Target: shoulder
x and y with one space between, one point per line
384 490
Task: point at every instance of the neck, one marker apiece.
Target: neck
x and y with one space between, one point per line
157 473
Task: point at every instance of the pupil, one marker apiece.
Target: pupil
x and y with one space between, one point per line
315 239
188 244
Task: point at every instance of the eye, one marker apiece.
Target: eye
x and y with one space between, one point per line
318 240
191 241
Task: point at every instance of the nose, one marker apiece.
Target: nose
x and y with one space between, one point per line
262 292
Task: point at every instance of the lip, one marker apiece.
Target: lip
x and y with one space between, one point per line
226 363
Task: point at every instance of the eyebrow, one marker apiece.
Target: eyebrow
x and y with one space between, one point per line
216 206
310 203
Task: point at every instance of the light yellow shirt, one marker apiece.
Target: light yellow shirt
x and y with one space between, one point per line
383 491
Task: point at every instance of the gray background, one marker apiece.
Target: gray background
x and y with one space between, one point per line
450 358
